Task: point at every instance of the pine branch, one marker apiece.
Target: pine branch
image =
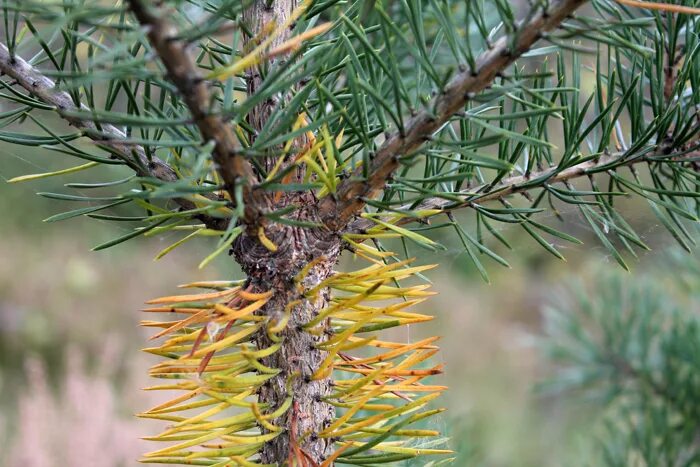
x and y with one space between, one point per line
536 180
353 192
184 74
106 135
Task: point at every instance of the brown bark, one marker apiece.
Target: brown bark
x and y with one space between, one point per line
298 358
256 17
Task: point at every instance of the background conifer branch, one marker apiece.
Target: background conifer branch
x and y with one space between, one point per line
338 211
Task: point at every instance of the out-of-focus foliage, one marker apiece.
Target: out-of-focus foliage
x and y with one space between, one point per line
634 347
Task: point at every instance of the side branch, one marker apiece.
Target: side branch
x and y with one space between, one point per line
233 168
109 136
351 194
525 183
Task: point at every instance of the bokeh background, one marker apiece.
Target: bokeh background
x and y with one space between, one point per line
71 371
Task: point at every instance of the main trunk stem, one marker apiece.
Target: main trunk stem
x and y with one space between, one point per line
298 357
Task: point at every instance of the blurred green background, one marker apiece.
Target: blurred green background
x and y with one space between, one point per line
71 369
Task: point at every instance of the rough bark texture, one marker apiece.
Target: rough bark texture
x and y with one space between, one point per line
256 17
298 358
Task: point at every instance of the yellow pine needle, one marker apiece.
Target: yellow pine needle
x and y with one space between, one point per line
227 341
200 317
252 296
156 324
341 304
354 386
367 249
416 357
386 292
318 170
181 386
295 42
234 424
261 419
371 407
171 450
175 401
368 272
250 60
385 274
343 336
230 314
27 178
247 439
238 381
301 275
185 407
329 461
170 248
347 345
436 370
401 318
210 284
319 155
375 236
166 418
394 307
411 406
202 201
347 415
416 237
257 55
367 257
661 7
408 433
402 450
237 451
388 345
237 420
407 388
395 353
163 372
235 401
194 297
170 309
328 162
300 122
266 242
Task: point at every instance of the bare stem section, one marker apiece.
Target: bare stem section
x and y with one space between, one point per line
300 353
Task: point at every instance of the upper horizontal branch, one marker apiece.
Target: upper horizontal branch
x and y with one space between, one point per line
337 212
233 168
106 135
